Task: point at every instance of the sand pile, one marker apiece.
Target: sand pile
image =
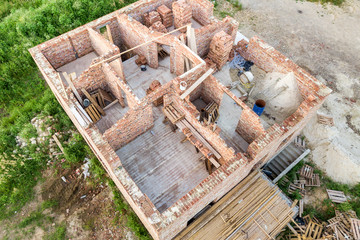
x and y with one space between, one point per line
280 92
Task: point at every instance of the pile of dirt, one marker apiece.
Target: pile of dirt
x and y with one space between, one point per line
280 92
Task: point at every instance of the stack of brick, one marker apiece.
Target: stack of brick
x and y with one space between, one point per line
166 15
141 60
151 17
220 47
159 27
182 14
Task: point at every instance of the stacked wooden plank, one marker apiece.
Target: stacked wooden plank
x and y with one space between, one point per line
151 17
182 14
159 27
94 114
355 227
254 209
312 229
166 15
220 47
306 171
173 113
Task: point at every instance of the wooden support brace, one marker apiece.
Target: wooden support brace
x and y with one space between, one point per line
197 83
93 101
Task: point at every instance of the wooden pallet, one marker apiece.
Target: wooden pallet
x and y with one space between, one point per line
325 120
355 228
173 113
306 171
314 181
313 230
295 187
93 113
336 196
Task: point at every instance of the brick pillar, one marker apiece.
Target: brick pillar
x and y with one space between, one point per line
220 47
182 14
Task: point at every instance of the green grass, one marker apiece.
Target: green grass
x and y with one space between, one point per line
58 234
224 14
236 4
334 2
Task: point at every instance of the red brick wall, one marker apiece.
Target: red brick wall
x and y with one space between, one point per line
138 12
249 126
133 33
99 43
59 52
91 79
134 123
81 42
271 60
202 10
205 34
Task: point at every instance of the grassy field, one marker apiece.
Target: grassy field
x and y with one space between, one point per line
24 95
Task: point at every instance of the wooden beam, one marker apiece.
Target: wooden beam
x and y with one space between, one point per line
93 101
70 83
140 45
197 83
108 30
58 143
111 104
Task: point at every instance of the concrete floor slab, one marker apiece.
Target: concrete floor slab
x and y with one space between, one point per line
229 115
139 81
79 65
162 167
113 114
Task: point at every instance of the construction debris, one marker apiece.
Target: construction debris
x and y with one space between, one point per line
306 171
327 120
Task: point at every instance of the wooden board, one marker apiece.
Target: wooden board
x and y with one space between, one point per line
173 113
253 210
355 228
336 196
196 83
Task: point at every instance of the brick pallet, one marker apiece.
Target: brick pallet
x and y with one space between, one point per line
166 15
220 47
151 17
182 14
159 27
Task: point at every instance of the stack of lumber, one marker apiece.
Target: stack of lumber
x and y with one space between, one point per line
151 17
254 209
182 14
210 113
166 15
173 113
97 99
159 27
220 47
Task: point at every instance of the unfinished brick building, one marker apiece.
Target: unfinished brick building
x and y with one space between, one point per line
159 171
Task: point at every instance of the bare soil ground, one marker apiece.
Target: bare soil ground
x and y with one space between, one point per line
324 40
87 211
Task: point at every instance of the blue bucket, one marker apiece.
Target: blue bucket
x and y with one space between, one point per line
259 106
